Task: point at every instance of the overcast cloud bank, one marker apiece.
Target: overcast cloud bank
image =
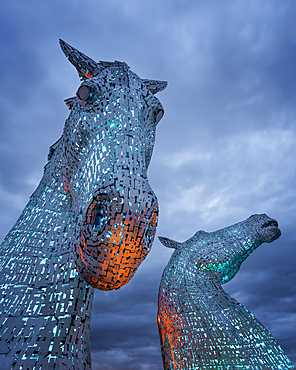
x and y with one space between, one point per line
225 148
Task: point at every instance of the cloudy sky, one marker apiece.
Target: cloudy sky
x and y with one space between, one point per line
225 149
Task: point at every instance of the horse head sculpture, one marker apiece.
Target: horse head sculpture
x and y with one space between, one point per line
200 325
89 224
108 141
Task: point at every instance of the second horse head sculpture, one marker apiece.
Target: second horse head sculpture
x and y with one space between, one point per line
203 327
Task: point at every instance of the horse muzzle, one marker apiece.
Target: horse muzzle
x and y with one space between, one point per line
117 232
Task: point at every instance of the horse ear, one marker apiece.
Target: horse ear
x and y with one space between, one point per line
86 67
169 243
155 86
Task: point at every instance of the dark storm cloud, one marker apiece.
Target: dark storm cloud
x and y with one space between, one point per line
225 148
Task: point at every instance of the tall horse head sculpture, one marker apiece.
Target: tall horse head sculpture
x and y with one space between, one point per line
108 142
200 325
89 224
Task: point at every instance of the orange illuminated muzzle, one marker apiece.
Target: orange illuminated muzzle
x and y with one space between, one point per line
117 233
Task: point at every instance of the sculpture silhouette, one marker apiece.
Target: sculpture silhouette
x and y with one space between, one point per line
93 206
200 325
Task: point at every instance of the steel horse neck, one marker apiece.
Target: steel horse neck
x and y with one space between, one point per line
89 224
203 327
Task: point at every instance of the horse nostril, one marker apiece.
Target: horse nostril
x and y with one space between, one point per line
98 221
270 223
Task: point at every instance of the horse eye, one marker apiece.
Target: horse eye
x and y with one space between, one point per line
83 92
158 114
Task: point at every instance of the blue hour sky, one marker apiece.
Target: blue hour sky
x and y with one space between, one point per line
225 149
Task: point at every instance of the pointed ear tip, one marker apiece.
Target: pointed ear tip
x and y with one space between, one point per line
62 44
163 240
169 243
164 85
